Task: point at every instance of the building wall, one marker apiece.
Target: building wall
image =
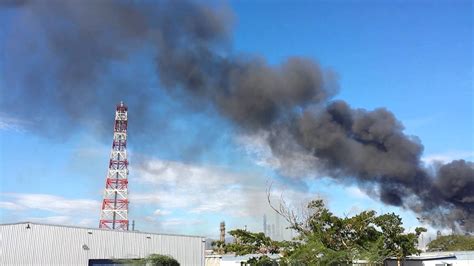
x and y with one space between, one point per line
213 260
233 260
462 258
404 263
61 245
453 262
450 262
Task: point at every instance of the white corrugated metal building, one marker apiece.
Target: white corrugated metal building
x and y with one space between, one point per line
43 244
447 258
234 260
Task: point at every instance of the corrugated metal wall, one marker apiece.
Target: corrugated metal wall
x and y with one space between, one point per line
62 245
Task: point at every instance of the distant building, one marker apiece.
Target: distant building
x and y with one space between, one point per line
232 260
265 225
44 244
278 234
454 258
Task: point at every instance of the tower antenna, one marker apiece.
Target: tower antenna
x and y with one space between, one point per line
114 213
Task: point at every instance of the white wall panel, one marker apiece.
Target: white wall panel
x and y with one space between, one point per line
63 245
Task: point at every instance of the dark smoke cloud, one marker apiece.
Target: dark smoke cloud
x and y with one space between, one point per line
371 147
66 59
61 59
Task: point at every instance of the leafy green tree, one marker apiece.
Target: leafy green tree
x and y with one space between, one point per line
152 259
247 242
262 261
323 238
452 243
326 239
219 247
395 242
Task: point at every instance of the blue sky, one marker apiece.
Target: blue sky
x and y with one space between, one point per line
413 58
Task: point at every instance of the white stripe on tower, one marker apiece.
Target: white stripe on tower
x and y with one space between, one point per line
114 214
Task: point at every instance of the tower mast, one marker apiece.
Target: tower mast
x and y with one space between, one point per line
114 213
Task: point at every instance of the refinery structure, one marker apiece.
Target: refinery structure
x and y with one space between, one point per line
28 243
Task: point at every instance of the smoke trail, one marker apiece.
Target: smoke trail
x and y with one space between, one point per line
77 44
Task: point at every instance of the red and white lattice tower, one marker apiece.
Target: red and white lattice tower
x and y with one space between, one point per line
114 214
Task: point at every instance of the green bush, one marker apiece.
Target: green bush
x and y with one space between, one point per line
262 261
161 260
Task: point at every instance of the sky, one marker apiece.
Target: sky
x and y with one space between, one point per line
193 168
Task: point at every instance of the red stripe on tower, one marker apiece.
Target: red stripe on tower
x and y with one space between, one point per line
114 214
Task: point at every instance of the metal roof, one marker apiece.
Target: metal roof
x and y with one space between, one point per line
37 244
99 229
424 258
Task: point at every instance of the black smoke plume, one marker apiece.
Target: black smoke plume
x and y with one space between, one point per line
59 57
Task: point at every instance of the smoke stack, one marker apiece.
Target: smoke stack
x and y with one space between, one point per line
222 235
264 224
277 227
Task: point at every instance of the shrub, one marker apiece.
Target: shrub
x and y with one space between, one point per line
161 260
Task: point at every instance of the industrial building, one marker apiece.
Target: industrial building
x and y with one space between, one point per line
448 258
44 244
233 260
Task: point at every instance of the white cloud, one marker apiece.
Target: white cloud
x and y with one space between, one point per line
159 212
10 123
197 188
203 189
50 209
295 164
50 203
10 206
257 147
356 192
173 222
176 174
194 191
51 219
64 219
88 222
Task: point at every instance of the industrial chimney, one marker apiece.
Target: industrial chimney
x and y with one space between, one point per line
265 225
222 236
